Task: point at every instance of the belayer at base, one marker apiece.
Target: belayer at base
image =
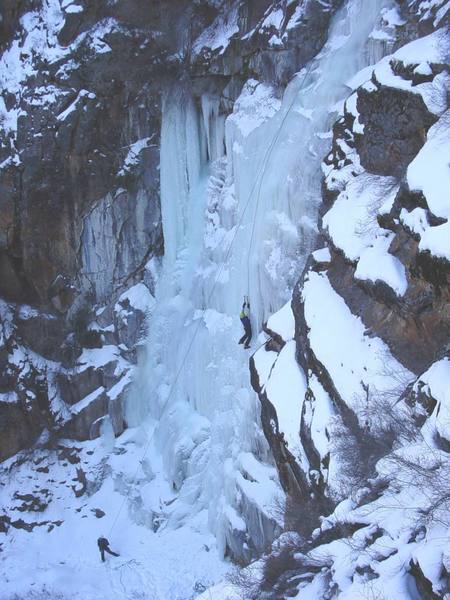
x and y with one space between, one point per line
103 546
245 320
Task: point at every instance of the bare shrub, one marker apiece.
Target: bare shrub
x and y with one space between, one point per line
246 582
429 473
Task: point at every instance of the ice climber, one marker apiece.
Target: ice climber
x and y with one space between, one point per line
245 320
103 546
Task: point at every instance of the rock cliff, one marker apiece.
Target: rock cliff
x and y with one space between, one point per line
80 208
352 374
371 325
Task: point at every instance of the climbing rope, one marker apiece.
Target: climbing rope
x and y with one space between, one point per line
263 169
260 177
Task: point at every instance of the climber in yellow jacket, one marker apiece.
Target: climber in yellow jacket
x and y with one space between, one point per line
245 320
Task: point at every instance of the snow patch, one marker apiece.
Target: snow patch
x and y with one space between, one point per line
429 172
283 322
376 264
286 389
357 364
256 104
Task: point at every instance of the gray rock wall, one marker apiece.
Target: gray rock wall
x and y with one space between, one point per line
80 217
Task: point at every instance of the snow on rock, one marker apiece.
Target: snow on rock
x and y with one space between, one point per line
73 8
322 255
358 365
322 411
264 361
429 172
352 225
434 93
296 16
282 322
273 19
286 389
259 482
416 220
85 402
9 397
256 104
350 107
376 264
392 17
432 9
99 357
132 157
436 240
218 35
62 116
433 49
117 389
352 220
435 382
138 297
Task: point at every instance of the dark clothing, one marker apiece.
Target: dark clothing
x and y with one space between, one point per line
103 546
247 337
102 553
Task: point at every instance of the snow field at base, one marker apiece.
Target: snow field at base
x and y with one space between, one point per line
65 561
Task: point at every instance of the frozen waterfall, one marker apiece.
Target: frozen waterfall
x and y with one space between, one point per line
239 202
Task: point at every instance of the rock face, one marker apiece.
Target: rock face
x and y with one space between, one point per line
79 184
372 331
395 124
80 216
415 322
81 241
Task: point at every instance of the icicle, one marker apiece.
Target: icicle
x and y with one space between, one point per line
214 125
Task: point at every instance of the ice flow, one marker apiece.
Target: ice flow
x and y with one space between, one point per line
239 205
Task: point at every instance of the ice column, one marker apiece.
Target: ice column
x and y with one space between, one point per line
234 223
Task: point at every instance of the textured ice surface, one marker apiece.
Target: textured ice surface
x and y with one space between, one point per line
239 217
